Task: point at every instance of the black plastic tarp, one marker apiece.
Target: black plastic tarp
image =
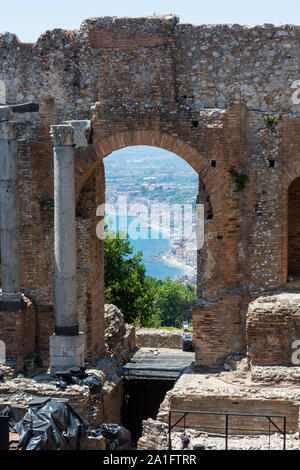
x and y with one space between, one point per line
116 437
55 426
7 411
77 376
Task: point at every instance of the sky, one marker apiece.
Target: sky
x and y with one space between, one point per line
28 19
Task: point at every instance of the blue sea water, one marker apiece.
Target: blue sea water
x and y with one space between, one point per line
153 250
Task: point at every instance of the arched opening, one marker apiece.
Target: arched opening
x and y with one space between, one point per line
156 185
90 190
294 230
151 196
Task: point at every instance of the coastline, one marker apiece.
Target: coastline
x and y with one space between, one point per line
165 231
163 234
174 261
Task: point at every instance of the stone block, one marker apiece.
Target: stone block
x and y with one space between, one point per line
66 351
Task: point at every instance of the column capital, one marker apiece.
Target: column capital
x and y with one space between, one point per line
8 130
82 130
62 135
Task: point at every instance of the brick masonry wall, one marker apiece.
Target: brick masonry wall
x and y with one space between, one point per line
224 404
219 329
199 91
17 331
273 323
155 432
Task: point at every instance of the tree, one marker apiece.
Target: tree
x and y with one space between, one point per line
175 302
142 299
125 279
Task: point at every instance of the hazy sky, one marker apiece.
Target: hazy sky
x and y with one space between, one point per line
29 18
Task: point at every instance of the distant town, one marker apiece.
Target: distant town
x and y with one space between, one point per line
151 177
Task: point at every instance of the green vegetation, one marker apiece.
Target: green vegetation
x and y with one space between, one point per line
174 302
143 300
125 278
239 178
271 120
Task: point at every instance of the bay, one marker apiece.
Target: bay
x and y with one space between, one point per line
153 249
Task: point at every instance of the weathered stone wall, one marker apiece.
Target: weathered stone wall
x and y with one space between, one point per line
112 404
155 338
199 91
273 323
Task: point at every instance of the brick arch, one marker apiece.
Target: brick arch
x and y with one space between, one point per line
218 271
293 228
152 138
88 159
290 172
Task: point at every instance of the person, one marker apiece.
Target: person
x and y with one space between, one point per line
185 443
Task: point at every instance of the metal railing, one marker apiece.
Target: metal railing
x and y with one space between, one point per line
269 418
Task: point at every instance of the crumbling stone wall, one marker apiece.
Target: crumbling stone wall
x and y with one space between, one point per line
120 338
94 407
199 91
159 338
155 436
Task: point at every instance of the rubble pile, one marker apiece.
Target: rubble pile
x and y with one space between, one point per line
247 442
155 436
85 399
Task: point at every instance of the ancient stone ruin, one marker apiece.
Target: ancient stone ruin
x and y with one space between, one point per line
223 98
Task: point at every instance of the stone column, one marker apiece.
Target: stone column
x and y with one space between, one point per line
17 313
11 298
67 344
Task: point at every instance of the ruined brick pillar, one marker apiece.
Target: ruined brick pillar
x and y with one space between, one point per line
9 210
67 344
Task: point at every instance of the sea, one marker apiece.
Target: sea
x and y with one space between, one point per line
153 248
